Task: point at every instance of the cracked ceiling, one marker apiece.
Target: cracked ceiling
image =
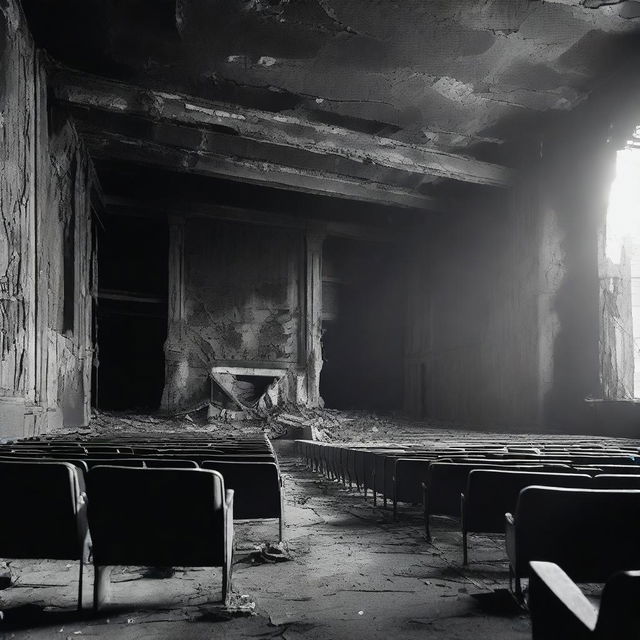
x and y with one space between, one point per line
468 77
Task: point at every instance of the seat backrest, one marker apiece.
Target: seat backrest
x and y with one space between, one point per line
39 505
81 464
120 462
156 517
160 463
616 481
590 533
410 474
447 480
619 615
490 493
256 487
613 469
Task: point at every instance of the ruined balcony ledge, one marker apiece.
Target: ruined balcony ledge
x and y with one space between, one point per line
273 372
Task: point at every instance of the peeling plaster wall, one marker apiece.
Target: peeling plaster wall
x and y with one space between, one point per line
67 355
44 376
241 306
17 208
471 347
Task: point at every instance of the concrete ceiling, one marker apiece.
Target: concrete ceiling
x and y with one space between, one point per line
470 76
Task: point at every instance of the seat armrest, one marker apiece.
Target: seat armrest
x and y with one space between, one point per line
228 500
82 527
510 541
558 607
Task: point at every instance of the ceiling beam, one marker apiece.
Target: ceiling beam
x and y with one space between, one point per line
119 205
234 146
157 153
74 88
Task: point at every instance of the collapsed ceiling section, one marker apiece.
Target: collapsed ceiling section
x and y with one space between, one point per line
461 77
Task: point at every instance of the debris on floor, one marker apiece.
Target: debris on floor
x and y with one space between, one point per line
5 576
240 605
268 552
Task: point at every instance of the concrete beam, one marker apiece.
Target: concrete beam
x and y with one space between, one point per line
112 146
82 90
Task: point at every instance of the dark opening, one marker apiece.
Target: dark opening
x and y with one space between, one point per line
362 309
132 312
248 389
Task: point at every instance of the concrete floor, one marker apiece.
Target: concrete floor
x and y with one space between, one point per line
353 573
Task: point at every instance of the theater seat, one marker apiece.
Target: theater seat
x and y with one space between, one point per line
591 533
560 611
44 513
159 518
490 493
257 489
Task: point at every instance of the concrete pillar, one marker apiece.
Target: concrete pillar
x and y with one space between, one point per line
313 317
176 366
176 274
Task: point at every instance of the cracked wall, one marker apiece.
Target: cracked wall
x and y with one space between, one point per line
241 305
17 270
44 375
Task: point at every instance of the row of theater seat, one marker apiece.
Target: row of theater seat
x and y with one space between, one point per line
400 473
66 499
562 504
491 493
248 465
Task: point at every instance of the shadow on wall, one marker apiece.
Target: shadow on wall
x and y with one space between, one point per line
363 312
576 194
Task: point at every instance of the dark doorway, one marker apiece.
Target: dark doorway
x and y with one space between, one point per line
131 312
363 296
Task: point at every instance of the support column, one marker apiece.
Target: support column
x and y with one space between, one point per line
176 274
176 366
313 321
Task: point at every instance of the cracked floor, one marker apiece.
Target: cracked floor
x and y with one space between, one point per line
353 573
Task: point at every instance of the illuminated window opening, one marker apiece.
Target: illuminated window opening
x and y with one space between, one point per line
623 234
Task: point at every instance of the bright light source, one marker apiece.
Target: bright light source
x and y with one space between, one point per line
623 215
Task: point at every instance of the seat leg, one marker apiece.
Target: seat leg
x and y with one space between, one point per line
227 586
465 549
427 527
280 528
517 589
101 587
80 582
425 506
